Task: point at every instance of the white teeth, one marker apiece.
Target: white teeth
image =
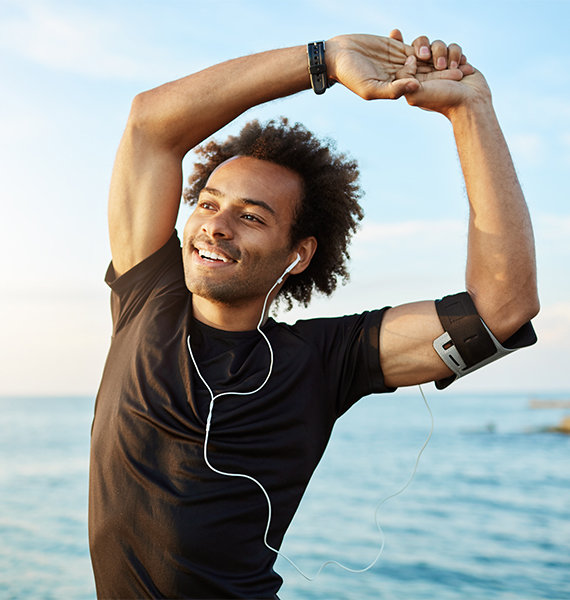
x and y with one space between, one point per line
212 255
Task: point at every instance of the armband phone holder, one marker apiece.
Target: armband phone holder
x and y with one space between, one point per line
467 343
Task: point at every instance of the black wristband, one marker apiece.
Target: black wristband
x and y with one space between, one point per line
317 67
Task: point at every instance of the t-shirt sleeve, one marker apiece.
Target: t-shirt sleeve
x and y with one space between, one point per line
359 366
350 352
160 272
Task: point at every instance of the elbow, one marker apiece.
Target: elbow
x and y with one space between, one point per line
527 310
151 123
504 318
141 114
147 125
526 304
138 129
533 308
150 112
505 325
518 318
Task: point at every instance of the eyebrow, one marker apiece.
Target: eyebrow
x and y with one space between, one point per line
247 201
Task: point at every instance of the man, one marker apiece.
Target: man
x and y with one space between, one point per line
206 405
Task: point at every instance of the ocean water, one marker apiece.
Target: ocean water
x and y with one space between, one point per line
487 515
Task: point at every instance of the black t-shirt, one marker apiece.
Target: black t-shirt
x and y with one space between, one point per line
161 523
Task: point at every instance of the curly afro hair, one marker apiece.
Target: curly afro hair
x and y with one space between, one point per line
329 209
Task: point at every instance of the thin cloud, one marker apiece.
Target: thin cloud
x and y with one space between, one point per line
77 41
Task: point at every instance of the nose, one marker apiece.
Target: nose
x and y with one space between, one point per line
218 226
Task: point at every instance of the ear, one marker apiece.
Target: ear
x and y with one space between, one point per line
306 248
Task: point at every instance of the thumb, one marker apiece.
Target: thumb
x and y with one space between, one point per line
400 87
409 69
405 81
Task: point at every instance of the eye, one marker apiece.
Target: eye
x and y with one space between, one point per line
252 218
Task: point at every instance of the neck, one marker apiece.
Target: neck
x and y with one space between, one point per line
235 317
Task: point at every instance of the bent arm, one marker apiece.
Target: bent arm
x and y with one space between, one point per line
168 121
501 268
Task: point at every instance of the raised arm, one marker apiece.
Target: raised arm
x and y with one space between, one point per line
501 270
168 121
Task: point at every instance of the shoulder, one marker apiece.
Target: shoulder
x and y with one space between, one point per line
166 260
158 279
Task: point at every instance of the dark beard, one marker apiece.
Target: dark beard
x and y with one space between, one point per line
226 292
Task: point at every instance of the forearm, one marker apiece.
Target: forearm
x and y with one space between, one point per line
180 114
501 268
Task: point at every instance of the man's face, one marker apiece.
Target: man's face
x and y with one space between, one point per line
236 242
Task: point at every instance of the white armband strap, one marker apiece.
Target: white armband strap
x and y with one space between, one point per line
467 343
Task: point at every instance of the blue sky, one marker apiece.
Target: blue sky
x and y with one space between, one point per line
69 71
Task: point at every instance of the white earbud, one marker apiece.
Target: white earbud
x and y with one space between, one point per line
289 268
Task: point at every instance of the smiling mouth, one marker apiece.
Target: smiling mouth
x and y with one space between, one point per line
214 257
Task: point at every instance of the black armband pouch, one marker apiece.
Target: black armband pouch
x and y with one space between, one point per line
467 344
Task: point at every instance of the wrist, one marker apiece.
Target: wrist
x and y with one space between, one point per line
473 108
332 46
476 102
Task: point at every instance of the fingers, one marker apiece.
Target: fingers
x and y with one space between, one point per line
454 55
449 74
467 69
396 34
439 53
422 47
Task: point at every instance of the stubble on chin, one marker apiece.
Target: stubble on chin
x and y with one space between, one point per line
226 291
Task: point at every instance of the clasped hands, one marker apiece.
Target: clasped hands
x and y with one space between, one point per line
431 75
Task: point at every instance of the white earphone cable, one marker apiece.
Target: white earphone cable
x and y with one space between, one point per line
215 397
